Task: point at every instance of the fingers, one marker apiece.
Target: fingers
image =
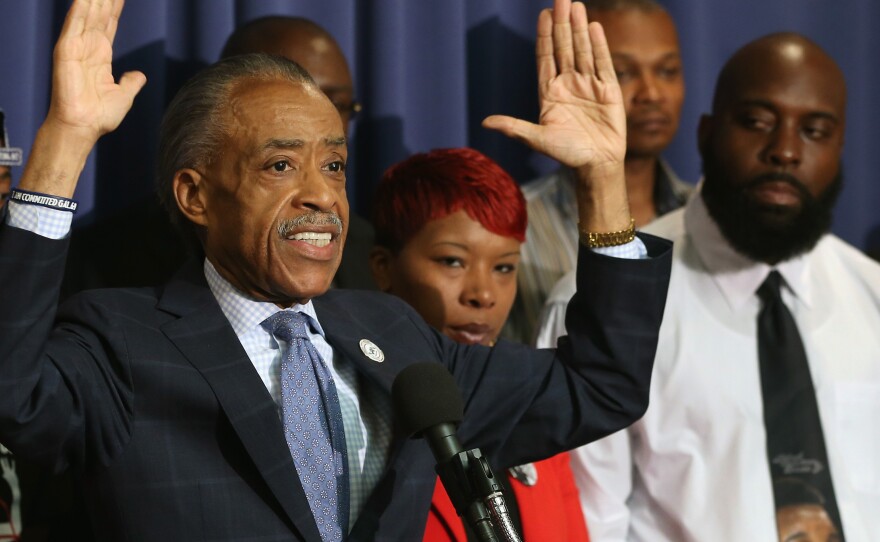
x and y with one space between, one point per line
75 22
132 82
115 110
583 50
519 129
87 17
562 42
544 48
574 42
602 54
113 23
99 13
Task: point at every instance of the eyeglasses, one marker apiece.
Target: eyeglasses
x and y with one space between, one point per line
350 109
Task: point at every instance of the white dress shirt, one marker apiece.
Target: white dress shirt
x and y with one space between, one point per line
695 467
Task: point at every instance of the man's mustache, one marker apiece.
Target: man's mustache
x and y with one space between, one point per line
314 218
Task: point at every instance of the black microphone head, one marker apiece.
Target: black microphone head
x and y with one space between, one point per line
425 395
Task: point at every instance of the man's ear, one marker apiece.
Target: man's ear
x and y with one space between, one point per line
189 191
704 134
381 264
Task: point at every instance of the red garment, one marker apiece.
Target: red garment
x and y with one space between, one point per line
549 510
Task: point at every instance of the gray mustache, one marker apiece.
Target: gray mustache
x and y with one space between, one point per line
315 218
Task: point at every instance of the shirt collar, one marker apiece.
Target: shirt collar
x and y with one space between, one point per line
244 312
738 276
670 192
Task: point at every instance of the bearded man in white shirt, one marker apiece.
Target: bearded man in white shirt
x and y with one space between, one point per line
695 467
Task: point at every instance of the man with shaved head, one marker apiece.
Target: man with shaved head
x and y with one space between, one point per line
749 387
307 44
304 42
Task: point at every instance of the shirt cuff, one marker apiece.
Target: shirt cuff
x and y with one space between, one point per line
634 250
45 222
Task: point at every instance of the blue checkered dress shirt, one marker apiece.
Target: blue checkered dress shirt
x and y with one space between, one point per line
366 410
367 426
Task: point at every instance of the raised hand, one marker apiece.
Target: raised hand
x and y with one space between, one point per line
85 96
86 101
582 120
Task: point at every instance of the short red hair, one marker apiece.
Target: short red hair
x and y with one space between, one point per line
432 185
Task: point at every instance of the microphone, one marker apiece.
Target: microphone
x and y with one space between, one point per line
427 404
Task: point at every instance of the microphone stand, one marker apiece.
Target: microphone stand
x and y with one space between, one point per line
477 497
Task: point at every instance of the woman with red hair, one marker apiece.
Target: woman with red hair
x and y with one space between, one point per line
449 226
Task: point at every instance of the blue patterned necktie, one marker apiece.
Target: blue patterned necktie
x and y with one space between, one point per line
313 424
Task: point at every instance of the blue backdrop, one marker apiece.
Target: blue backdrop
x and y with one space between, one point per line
427 72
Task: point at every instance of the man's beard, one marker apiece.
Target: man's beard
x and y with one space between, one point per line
765 232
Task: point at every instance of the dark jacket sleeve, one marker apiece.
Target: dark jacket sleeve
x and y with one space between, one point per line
523 404
63 392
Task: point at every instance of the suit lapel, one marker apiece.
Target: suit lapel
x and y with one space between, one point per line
205 337
345 334
405 456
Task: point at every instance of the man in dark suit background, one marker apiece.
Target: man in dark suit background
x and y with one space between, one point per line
165 401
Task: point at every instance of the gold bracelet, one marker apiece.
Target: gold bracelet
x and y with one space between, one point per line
598 240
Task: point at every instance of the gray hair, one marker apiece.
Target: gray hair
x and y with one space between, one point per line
193 128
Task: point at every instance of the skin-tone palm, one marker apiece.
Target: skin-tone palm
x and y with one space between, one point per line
582 122
86 101
86 96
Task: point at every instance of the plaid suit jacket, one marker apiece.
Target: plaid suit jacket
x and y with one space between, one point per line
148 395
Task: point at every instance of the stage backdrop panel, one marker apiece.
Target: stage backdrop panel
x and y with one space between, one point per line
427 73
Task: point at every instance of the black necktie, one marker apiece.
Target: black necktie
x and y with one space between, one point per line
795 445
